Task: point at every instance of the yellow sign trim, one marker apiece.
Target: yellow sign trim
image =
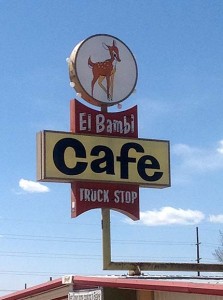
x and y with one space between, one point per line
65 157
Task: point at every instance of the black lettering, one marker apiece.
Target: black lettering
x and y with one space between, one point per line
107 160
125 159
153 165
58 156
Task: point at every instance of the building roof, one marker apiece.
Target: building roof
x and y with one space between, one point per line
44 287
205 286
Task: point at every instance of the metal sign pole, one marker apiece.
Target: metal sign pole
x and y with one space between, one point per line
106 238
135 268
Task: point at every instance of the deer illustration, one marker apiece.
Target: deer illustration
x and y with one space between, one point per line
105 69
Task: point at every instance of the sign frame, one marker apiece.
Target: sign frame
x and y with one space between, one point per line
100 53
47 171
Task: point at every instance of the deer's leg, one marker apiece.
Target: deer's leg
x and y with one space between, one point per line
108 86
92 85
112 85
100 79
112 82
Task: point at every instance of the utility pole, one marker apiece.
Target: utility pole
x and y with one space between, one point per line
198 249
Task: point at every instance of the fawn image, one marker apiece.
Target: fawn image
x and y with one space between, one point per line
105 70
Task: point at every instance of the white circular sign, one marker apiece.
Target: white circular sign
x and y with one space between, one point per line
103 70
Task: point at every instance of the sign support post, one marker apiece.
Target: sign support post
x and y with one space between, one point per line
106 238
135 268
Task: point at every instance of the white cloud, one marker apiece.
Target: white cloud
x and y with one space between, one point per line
216 218
170 216
32 186
187 160
199 159
220 148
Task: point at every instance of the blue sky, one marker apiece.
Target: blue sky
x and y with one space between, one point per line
178 47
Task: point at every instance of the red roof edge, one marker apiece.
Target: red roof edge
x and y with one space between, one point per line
152 285
34 290
125 282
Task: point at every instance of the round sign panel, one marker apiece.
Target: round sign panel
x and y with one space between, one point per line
103 70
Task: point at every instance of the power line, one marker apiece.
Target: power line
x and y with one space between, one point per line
10 291
49 255
89 240
31 273
77 256
48 238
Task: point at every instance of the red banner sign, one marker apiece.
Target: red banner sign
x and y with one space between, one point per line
86 120
90 195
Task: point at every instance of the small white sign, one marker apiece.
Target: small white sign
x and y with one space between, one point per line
67 279
86 295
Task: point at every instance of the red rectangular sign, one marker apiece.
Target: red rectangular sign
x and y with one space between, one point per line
86 120
90 195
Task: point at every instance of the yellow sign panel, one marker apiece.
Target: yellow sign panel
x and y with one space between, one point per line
66 157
